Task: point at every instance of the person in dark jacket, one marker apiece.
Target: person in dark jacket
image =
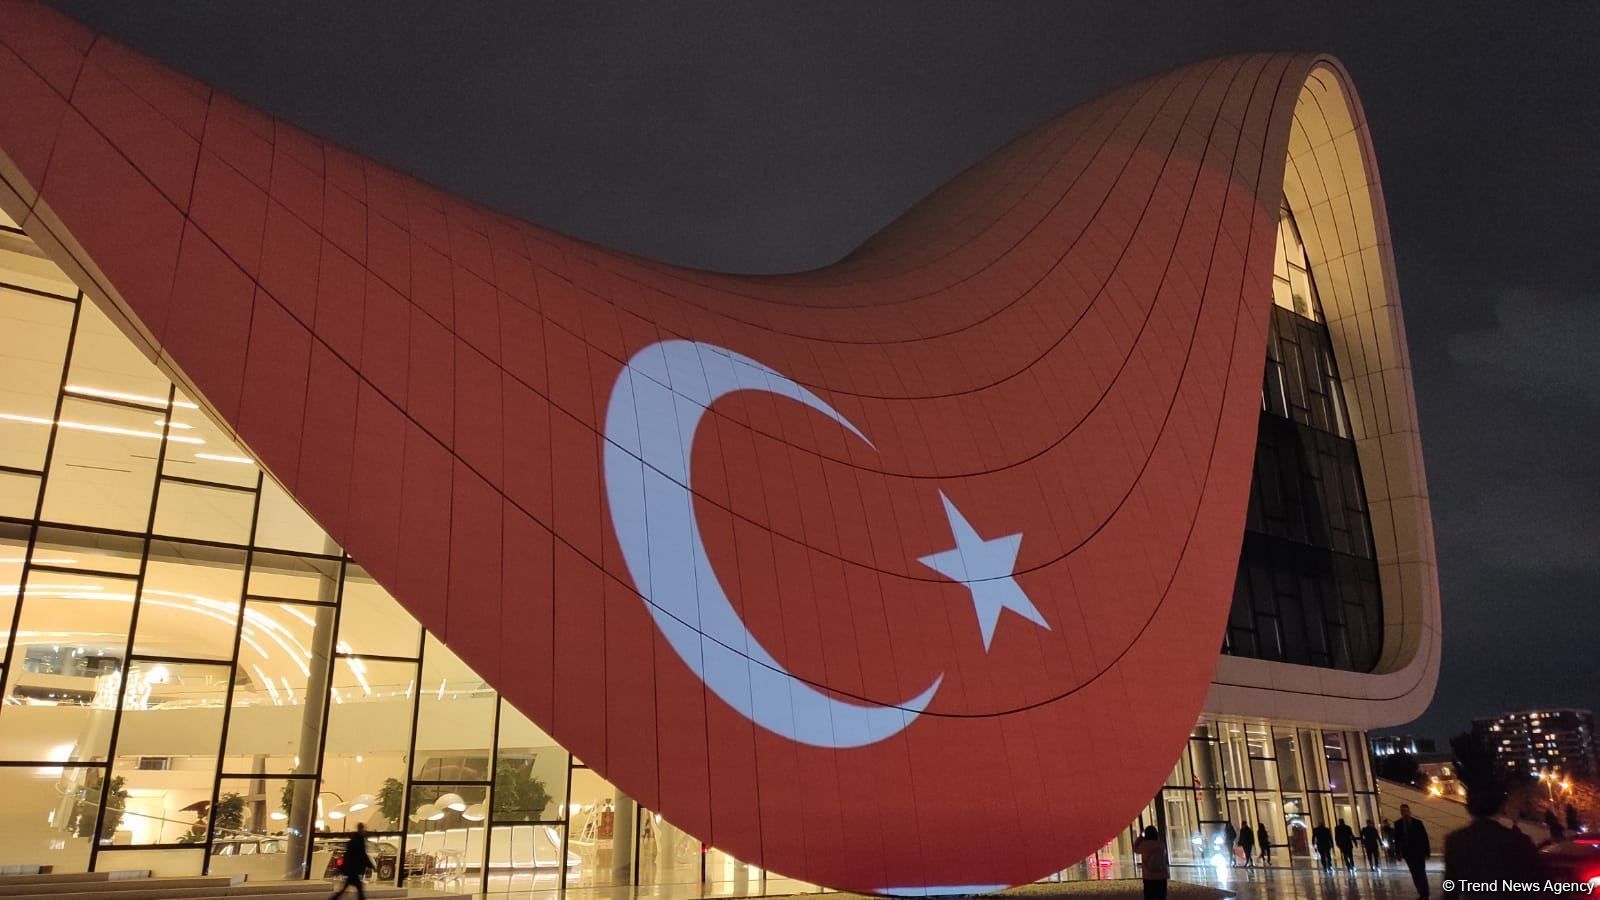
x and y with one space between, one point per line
1389 846
1345 839
354 864
1264 841
1411 842
1322 839
1486 851
1230 837
1558 832
1370 842
1247 845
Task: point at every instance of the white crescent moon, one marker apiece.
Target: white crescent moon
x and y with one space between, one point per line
656 406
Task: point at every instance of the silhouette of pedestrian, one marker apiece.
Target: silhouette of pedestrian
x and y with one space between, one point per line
1553 825
1152 851
1322 839
1265 841
1369 844
1230 836
354 864
1389 846
1411 841
1345 839
1247 844
1486 851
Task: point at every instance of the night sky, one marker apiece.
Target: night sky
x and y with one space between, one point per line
769 138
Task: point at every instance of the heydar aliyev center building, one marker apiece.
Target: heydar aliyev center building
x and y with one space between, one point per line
1088 493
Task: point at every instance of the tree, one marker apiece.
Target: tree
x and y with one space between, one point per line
518 796
391 797
116 806
1401 767
229 816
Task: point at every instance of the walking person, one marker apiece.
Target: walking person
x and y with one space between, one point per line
1558 832
1322 839
1264 841
1247 845
354 864
1369 845
1411 842
1230 837
1387 831
1345 839
1152 852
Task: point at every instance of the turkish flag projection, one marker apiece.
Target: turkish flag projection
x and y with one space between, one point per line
901 575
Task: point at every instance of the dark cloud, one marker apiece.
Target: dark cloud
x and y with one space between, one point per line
771 137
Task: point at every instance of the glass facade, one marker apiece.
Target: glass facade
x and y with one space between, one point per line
1307 590
196 679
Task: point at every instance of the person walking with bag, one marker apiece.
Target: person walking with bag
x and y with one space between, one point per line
354 864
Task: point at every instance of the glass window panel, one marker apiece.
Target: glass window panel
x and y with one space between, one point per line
19 493
526 858
446 830
455 718
205 513
65 672
23 263
49 816
260 826
212 456
279 688
294 577
667 855
592 828
102 472
1207 763
105 363
371 621
369 737
530 780
160 863
282 525
167 748
1288 753
189 606
13 551
33 348
88 550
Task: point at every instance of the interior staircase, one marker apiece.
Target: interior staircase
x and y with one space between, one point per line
140 885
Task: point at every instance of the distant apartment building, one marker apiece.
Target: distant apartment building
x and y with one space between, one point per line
1541 740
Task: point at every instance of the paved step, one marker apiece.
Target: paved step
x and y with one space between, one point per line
101 886
67 878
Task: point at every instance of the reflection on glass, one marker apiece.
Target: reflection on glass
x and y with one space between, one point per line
13 550
259 829
102 472
370 621
217 458
667 855
368 738
294 577
455 719
189 605
600 831
50 815
167 750
106 364
445 830
33 345
282 525
526 858
530 779
159 863
66 668
204 513
279 688
69 548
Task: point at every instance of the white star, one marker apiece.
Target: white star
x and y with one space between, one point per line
986 568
